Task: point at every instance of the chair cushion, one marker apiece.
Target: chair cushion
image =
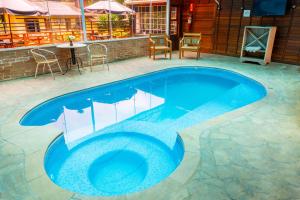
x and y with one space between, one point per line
161 47
191 40
190 48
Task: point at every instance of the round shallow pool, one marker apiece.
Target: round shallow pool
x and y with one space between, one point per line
112 164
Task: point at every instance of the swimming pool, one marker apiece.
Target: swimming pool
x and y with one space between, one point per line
125 133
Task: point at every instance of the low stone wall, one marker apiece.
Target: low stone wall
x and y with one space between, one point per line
18 62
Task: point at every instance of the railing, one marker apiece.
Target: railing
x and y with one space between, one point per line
38 32
98 30
35 32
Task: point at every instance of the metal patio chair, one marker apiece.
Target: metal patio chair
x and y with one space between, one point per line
98 52
45 57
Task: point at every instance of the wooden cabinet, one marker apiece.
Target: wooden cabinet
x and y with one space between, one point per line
258 44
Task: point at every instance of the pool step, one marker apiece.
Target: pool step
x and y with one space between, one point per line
237 97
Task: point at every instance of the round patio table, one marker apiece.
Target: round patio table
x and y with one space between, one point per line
73 60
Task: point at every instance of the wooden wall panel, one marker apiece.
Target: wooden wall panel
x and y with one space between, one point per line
286 47
203 21
223 31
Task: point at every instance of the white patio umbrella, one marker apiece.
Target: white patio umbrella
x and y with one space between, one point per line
109 7
58 8
20 7
106 6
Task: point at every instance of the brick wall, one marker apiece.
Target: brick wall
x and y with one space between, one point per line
18 63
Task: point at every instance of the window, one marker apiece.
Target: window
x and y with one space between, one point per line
68 23
77 23
2 24
32 25
150 19
47 24
174 21
58 19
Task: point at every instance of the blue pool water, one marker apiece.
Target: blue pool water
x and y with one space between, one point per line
122 137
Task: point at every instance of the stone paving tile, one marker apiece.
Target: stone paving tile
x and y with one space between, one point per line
12 175
249 153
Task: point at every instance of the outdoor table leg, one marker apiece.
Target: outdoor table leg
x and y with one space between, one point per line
78 61
81 63
73 56
68 65
73 60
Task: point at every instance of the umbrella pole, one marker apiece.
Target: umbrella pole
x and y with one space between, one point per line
150 17
11 35
110 22
83 21
108 26
50 23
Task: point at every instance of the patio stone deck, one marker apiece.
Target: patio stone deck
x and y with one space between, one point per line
249 153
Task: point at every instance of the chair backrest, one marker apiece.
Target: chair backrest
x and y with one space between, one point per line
159 39
38 55
97 49
192 39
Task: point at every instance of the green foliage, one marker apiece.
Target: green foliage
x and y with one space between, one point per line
103 20
120 1
105 17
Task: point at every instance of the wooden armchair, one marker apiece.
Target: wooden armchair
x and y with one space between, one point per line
159 43
190 42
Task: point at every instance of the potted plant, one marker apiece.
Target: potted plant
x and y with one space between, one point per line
71 38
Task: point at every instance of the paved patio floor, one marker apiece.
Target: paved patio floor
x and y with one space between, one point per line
249 153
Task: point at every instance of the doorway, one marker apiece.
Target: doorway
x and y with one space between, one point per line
196 18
